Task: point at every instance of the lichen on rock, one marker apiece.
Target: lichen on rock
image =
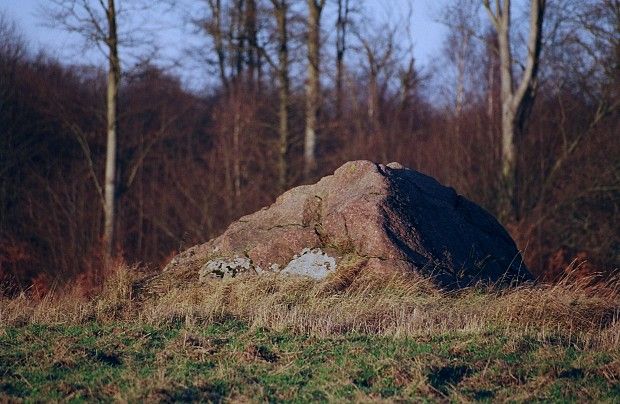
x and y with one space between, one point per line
224 268
313 263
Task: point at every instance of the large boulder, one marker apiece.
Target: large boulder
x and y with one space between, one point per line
378 217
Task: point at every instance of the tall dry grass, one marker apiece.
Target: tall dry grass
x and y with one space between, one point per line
573 311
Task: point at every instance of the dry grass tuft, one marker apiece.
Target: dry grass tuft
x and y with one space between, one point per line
575 310
395 305
75 304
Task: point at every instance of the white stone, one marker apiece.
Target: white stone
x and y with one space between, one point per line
311 263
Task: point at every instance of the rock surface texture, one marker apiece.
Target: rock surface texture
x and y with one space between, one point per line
382 218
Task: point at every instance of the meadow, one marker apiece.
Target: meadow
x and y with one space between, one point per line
278 339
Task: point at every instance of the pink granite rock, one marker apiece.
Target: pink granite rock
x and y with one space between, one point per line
392 217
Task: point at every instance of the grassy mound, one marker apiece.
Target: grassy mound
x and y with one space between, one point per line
351 337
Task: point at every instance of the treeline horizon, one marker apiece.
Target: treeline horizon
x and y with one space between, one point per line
188 163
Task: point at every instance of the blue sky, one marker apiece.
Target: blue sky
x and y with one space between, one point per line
426 32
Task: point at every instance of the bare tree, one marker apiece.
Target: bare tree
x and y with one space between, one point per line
214 27
97 22
491 89
280 8
12 54
233 32
589 32
232 28
251 32
313 85
342 22
239 34
409 80
379 51
517 101
114 76
461 18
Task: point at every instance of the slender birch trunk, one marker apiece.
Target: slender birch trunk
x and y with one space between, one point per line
114 72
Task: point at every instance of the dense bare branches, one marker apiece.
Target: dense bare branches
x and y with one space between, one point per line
461 18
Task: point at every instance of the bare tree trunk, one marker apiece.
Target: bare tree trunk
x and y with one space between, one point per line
315 7
491 95
460 16
341 46
516 103
237 92
237 150
215 29
239 33
252 35
281 11
460 82
378 51
114 72
508 174
408 80
373 96
228 176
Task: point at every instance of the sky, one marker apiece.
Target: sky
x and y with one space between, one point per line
426 33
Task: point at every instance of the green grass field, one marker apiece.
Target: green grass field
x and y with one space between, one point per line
295 340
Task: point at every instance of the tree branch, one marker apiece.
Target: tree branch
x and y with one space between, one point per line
492 16
528 81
